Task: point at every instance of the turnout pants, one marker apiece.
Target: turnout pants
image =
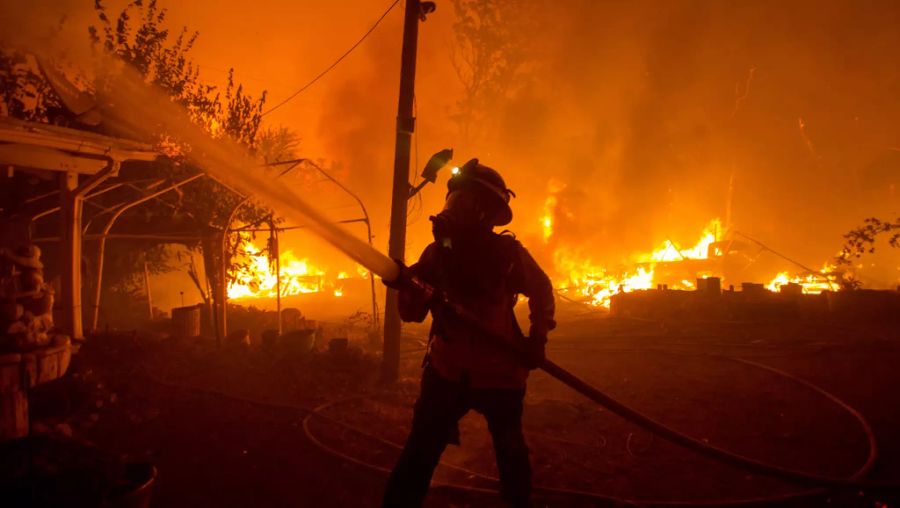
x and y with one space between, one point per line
435 417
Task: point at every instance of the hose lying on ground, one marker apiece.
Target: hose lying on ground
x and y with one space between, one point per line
864 469
669 434
707 449
553 491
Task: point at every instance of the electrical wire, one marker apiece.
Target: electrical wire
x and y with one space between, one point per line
335 63
414 213
269 85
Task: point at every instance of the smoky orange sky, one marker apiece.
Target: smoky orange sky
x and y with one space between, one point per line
643 110
643 113
348 117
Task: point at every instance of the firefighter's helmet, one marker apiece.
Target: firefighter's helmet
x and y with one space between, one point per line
473 173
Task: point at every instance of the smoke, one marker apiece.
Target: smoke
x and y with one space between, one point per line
645 111
357 119
138 106
57 26
640 112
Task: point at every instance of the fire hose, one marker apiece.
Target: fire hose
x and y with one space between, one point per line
792 497
227 162
593 497
293 206
659 429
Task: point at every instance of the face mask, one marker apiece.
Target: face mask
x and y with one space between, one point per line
462 215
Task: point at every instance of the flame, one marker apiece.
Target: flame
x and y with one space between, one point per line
550 209
547 218
671 252
780 280
298 276
596 284
810 283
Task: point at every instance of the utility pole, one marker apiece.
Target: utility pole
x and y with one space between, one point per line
406 124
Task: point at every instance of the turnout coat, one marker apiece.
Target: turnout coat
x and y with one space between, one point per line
485 273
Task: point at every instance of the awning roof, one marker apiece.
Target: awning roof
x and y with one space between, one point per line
53 148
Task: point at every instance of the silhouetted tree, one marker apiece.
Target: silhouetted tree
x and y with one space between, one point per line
26 93
861 240
277 144
491 54
138 36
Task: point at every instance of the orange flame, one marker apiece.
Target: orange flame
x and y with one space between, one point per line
811 283
596 285
550 209
298 276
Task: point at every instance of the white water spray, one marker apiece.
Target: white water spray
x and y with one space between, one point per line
143 110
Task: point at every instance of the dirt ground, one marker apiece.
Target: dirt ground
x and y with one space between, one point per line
238 427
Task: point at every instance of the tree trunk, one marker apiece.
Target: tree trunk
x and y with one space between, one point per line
215 276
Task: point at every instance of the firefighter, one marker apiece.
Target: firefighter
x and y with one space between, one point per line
483 272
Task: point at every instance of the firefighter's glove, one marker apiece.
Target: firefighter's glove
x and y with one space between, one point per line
534 351
407 281
403 277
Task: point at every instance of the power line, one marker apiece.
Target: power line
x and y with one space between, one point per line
333 65
242 77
